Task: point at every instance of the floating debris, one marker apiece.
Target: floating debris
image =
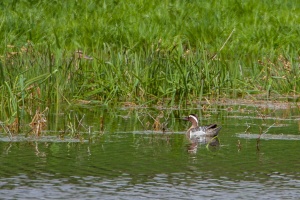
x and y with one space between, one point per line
54 139
269 136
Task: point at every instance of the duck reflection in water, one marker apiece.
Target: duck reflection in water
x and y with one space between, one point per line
201 134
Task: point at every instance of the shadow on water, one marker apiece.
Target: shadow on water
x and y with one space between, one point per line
143 153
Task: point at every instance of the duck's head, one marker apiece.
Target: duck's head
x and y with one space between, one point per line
193 119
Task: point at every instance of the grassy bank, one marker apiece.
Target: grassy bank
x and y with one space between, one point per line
145 51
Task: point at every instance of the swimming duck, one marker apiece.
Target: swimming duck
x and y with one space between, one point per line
199 132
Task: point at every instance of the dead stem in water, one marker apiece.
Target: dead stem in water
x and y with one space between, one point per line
262 133
157 125
102 124
239 145
38 122
14 127
11 129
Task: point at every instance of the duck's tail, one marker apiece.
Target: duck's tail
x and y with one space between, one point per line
213 130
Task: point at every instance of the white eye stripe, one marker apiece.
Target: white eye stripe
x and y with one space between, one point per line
195 118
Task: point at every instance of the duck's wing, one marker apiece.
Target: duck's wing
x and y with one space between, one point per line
211 130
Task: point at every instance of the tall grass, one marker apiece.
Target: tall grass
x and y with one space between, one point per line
146 51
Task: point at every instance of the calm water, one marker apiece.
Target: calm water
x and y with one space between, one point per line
128 161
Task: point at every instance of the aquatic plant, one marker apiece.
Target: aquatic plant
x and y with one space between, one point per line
144 52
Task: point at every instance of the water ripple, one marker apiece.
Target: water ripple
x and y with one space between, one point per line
160 186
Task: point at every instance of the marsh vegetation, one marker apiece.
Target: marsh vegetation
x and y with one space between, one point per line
144 53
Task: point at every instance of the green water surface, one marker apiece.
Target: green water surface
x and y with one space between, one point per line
128 162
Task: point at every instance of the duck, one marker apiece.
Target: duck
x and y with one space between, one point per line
199 132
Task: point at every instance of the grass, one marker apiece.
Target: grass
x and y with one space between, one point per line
146 52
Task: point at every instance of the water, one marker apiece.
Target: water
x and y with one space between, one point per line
128 161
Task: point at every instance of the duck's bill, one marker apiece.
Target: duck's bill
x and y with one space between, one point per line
185 118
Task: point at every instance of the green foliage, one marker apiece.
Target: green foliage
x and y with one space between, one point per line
146 51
